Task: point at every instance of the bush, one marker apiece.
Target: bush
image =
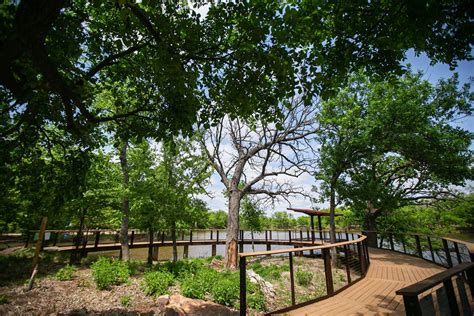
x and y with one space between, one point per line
125 300
255 298
198 284
65 273
304 277
270 272
156 282
226 290
3 299
181 267
107 272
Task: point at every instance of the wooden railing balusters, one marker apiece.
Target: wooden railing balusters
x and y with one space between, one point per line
292 279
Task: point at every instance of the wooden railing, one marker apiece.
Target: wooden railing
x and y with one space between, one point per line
352 262
442 251
447 302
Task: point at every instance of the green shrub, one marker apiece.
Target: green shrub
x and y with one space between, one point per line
181 267
269 272
125 300
107 272
226 290
3 299
304 277
157 282
65 273
198 284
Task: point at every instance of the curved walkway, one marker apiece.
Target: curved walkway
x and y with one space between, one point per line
375 294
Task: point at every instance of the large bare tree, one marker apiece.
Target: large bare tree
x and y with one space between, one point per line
260 157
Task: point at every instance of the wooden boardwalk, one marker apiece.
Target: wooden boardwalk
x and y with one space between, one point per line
375 294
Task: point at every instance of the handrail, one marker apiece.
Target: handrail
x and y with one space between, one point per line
411 292
432 281
359 254
280 251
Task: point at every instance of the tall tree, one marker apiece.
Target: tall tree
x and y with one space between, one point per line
249 157
402 147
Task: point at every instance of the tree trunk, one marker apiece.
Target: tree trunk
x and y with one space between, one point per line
125 203
253 243
173 238
75 253
231 252
150 245
332 222
370 225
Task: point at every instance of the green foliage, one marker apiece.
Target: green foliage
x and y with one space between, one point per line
181 267
218 219
304 278
107 272
3 299
65 273
255 298
269 272
199 284
227 290
156 282
125 300
251 214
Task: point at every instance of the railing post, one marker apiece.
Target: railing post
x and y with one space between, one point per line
27 239
301 235
453 305
470 280
458 254
211 234
448 254
292 279
97 239
347 236
289 236
327 271
243 287
163 237
55 238
132 238
412 305
361 261
367 257
431 249
392 246
217 235
266 235
348 269
191 236
418 246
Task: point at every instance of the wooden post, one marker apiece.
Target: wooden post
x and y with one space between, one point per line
320 227
211 234
185 251
163 237
448 254
412 305
28 233
217 234
132 238
418 246
301 235
453 305
214 250
266 235
328 271
190 236
97 239
39 244
348 269
243 287
361 261
292 279
55 238
458 254
289 236
431 249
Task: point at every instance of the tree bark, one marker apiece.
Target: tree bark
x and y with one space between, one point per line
150 245
173 238
232 230
370 225
125 202
332 222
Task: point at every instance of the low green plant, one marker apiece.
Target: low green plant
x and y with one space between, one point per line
255 297
303 277
227 290
125 300
107 272
157 282
3 299
198 284
181 267
65 273
269 272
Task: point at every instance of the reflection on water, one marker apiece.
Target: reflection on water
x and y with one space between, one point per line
166 253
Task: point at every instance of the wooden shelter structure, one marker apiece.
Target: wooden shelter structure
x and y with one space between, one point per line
312 213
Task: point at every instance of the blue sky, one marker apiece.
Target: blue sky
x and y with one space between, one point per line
433 73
